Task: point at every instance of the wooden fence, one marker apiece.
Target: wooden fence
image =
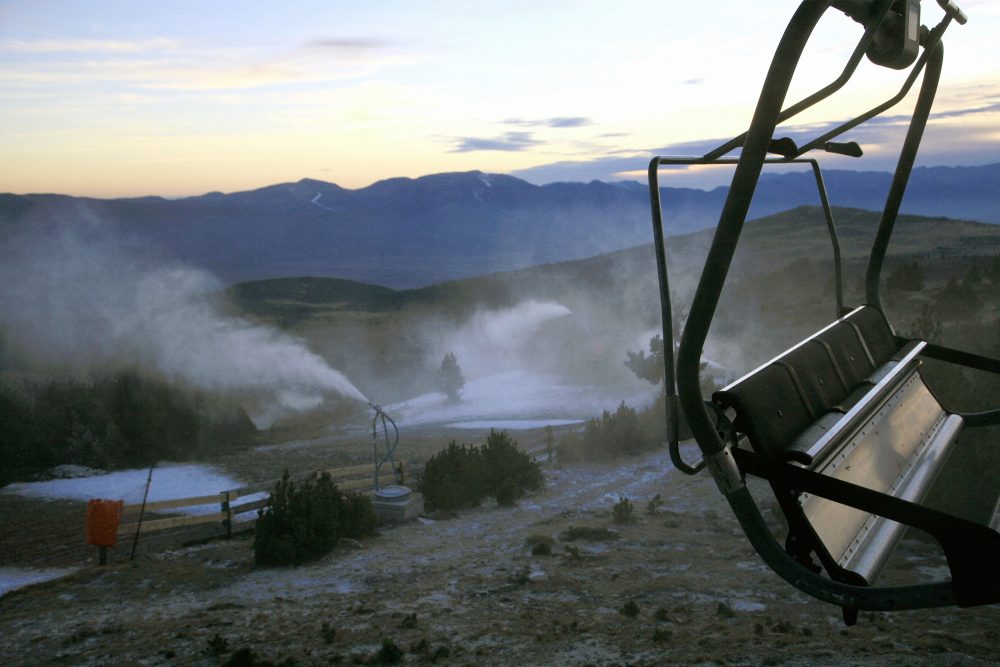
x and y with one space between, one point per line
352 479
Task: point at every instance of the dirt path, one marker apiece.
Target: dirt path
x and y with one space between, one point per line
679 586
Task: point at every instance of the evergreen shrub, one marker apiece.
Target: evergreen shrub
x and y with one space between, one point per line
303 521
462 476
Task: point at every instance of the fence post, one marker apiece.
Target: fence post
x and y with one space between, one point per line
227 523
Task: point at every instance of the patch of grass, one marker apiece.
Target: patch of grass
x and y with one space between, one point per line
588 534
388 654
216 646
623 511
723 610
661 635
521 577
540 545
541 549
242 657
630 609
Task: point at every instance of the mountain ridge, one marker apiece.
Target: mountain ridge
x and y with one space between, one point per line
408 232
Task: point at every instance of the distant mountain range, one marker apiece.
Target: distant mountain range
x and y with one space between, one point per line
406 233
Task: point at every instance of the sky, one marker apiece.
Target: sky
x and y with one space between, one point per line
121 98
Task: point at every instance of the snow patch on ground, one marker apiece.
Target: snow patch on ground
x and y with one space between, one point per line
169 482
748 605
512 424
12 578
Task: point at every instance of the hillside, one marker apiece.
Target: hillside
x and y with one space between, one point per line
768 244
406 233
781 286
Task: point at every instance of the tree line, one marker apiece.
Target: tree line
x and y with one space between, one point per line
123 420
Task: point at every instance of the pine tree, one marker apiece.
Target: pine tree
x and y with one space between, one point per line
449 380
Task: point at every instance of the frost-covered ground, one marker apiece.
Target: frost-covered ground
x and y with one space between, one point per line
677 586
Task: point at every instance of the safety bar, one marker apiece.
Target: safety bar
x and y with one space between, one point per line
666 307
869 11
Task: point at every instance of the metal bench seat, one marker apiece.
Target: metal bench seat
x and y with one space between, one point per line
848 402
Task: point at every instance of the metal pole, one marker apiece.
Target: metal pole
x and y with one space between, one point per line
142 512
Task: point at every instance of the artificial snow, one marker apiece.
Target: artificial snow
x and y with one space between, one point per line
516 396
170 481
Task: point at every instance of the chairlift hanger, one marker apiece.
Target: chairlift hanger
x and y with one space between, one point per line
894 38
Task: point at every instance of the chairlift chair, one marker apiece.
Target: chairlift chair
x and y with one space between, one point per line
842 425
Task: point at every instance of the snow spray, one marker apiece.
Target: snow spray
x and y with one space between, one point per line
82 297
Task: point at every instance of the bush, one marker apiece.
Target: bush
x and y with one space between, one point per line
303 521
621 433
623 511
507 472
460 477
907 277
450 480
957 300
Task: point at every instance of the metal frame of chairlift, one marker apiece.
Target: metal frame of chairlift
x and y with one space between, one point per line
972 549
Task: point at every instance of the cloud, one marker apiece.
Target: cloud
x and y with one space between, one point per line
959 135
557 122
510 142
350 45
161 64
40 46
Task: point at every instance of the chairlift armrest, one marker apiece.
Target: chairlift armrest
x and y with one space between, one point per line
984 418
961 358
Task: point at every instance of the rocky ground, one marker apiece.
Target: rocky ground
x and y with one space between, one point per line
678 585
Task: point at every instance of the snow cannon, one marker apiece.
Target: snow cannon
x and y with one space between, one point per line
393 502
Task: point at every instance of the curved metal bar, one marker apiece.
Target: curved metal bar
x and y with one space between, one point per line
970 548
748 169
933 39
823 93
390 445
874 111
838 271
938 594
907 156
666 307
666 318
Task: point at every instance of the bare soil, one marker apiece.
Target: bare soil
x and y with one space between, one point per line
677 586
